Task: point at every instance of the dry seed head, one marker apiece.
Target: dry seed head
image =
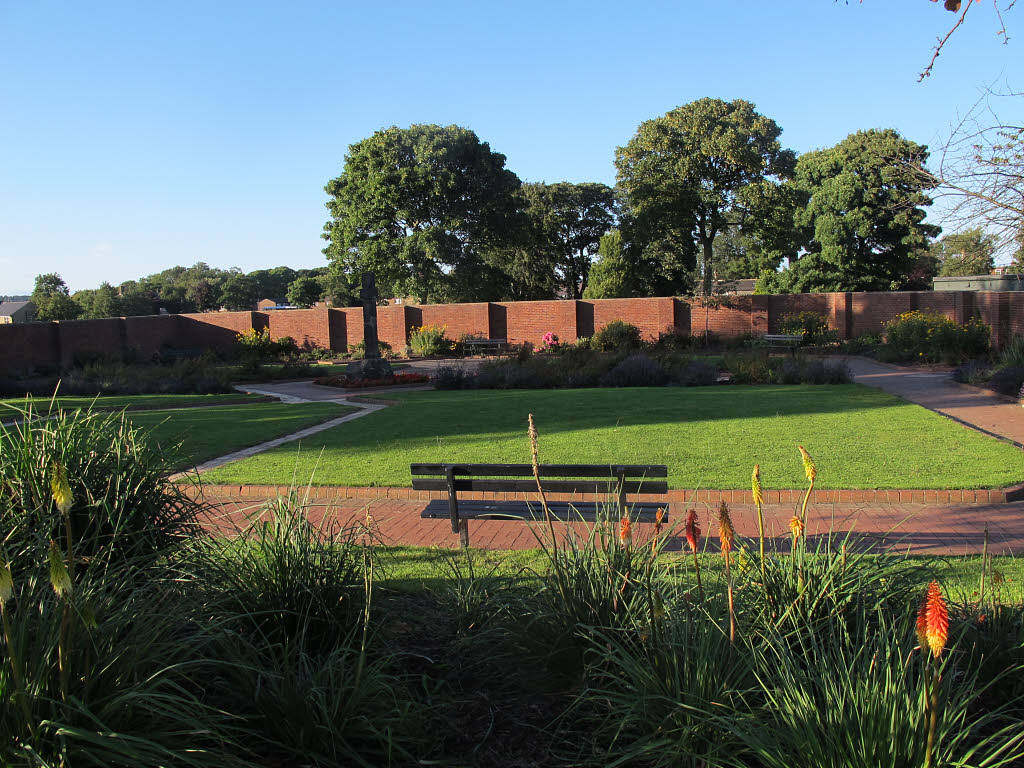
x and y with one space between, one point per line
626 531
59 578
533 442
692 530
59 486
756 484
809 469
726 533
796 525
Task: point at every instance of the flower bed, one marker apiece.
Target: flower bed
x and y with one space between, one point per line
350 382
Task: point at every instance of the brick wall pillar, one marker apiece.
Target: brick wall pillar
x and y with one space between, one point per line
759 307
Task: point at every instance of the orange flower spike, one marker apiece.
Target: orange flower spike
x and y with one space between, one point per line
796 525
922 622
936 619
692 530
626 531
726 533
657 521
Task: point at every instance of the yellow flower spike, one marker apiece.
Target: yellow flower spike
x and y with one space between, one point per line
59 485
626 531
796 526
59 578
6 583
756 485
809 469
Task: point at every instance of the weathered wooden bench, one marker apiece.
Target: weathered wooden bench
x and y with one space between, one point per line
614 484
785 340
483 346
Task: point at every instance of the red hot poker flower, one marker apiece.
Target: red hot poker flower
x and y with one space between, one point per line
933 620
626 531
692 530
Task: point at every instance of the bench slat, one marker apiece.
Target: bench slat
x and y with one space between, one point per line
530 486
546 470
563 511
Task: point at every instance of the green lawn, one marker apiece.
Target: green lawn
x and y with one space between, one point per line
113 402
410 569
211 432
710 437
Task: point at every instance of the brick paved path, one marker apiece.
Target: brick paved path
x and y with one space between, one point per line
917 528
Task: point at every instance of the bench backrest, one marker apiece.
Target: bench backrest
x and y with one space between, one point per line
555 478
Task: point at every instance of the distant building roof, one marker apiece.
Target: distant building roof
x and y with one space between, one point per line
741 286
980 283
8 308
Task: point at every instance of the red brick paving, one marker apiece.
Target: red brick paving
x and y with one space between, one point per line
918 528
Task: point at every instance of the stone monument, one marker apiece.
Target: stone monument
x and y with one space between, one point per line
372 366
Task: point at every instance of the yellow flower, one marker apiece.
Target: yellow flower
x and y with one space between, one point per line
809 469
59 486
59 578
6 583
756 485
796 526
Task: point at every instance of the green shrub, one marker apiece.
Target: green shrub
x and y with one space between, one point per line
617 336
430 340
931 337
358 351
810 325
1012 355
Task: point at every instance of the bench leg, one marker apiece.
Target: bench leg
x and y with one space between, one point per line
464 533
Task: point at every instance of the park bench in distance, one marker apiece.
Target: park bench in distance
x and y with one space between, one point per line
484 346
613 483
786 340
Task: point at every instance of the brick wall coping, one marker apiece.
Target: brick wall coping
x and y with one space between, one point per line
335 492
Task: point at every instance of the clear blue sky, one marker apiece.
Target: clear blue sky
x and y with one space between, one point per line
135 136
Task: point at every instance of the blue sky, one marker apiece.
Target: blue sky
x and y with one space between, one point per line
136 136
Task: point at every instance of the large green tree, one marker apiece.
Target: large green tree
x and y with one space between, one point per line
417 206
611 276
53 300
863 223
568 222
701 169
971 252
305 291
239 293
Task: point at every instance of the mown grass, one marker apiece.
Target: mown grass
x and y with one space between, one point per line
113 402
210 432
413 569
710 437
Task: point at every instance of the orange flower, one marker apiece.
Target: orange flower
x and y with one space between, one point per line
657 521
756 485
626 531
692 530
726 533
933 620
796 525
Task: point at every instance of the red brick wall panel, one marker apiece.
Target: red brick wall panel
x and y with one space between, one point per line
216 330
306 326
872 310
459 319
393 324
794 303
82 341
653 317
146 334
528 321
25 347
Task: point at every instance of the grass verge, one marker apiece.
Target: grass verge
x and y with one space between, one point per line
710 437
114 402
207 433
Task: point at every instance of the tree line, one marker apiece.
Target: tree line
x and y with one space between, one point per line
703 194
199 288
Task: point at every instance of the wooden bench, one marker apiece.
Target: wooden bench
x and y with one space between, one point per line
613 483
482 346
786 340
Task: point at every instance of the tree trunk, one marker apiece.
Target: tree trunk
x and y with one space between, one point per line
708 265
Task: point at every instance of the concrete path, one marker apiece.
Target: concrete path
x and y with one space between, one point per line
936 391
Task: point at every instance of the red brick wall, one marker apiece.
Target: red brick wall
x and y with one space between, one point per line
653 317
460 319
146 334
871 310
28 346
82 341
734 317
393 324
791 304
216 330
530 320
1016 314
310 326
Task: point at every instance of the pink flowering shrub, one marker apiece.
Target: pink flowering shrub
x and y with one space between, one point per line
549 341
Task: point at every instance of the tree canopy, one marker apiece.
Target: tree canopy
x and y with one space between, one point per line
52 299
418 206
701 169
971 252
863 224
